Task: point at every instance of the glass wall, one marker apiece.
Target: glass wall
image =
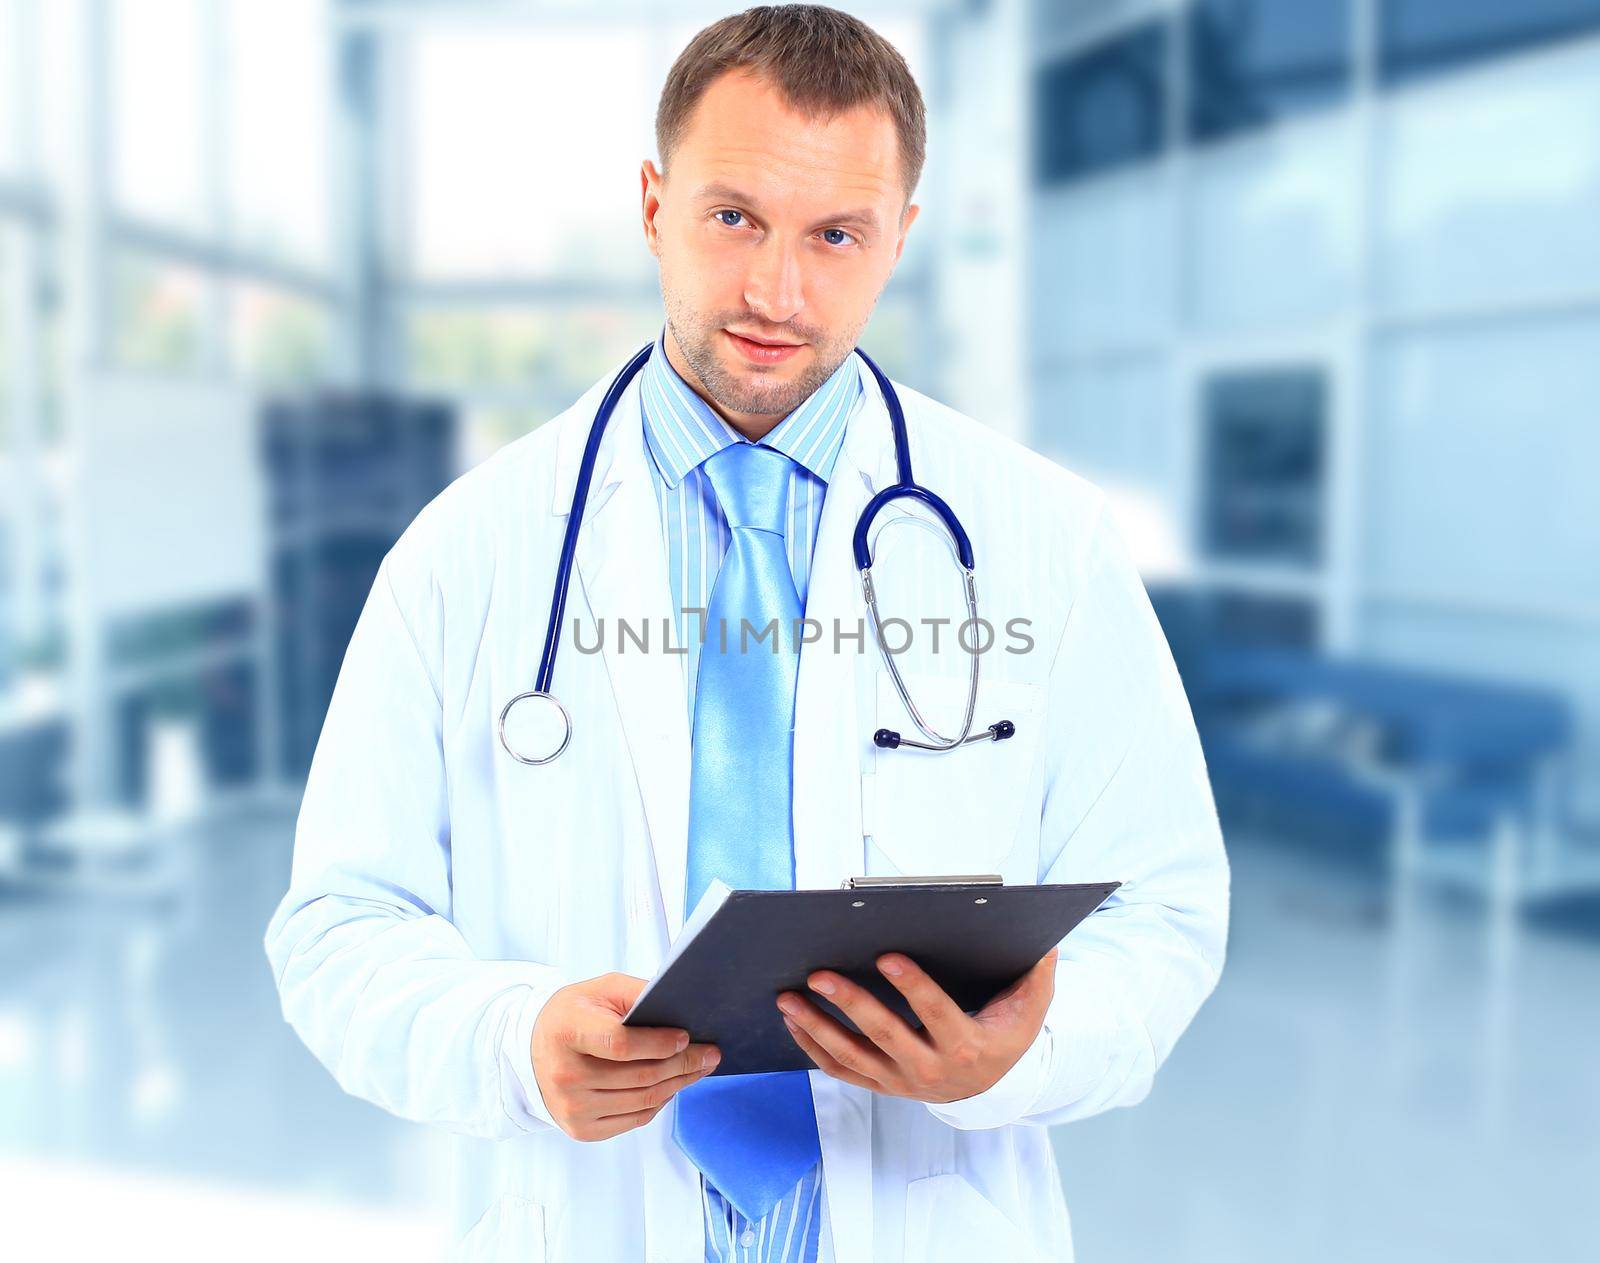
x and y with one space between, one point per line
199 176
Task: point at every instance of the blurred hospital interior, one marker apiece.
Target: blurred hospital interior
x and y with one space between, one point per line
1311 287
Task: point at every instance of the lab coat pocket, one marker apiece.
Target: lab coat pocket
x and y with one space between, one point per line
956 811
949 1221
511 1229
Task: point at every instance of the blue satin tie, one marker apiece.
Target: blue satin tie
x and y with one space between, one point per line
752 1136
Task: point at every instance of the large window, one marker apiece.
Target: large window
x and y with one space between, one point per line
1264 466
10 80
278 338
215 251
159 110
526 347
1102 108
220 113
1422 37
7 340
1253 61
279 114
158 312
32 470
512 367
520 167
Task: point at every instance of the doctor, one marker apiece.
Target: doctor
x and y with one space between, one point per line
463 931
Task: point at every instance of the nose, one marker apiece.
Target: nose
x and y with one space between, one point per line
773 287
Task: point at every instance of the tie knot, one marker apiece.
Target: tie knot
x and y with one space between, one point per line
752 485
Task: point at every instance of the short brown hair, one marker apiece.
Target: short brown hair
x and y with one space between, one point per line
824 62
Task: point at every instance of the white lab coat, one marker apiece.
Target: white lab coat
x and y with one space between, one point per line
442 892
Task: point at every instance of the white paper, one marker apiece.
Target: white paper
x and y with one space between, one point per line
715 895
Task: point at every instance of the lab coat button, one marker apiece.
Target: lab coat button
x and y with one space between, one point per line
748 1239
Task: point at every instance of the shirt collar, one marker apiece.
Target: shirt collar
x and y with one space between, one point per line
681 430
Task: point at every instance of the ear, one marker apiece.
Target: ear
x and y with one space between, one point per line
906 221
650 182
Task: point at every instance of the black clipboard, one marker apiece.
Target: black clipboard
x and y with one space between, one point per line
974 935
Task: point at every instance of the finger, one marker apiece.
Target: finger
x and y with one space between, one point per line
603 1035
823 1062
602 1075
851 1051
609 1103
941 1016
605 1128
876 1020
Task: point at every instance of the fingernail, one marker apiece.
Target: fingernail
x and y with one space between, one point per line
892 967
823 985
788 1004
683 1040
709 1061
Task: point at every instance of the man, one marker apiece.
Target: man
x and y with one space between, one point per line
463 932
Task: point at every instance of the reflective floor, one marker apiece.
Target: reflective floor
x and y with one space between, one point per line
1360 1086
145 1072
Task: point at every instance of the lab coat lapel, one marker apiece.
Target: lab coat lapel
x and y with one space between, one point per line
830 741
622 564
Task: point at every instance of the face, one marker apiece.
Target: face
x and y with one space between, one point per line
773 228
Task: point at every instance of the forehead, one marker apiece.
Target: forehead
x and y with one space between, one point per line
742 133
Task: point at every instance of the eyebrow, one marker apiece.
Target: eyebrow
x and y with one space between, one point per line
727 193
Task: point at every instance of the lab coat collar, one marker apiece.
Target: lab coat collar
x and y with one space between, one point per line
572 432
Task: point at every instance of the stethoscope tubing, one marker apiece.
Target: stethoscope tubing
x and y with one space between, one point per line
904 488
580 498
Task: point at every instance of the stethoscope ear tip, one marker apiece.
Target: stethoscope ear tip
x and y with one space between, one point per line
889 739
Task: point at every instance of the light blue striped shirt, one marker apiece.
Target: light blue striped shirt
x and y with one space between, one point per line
681 430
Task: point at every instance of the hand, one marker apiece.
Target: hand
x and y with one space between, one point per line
953 1057
600 1078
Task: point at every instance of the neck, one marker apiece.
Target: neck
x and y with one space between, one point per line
753 426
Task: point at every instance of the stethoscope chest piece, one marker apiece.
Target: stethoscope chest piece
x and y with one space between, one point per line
534 727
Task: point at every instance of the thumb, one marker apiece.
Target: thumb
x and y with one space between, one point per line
1039 983
617 991
1029 993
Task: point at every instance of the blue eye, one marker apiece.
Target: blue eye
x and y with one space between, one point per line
841 233
721 213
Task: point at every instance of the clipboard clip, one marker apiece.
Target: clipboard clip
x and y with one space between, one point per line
968 879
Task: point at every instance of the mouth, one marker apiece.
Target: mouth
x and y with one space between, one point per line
761 351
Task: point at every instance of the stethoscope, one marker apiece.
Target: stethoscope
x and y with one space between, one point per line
905 488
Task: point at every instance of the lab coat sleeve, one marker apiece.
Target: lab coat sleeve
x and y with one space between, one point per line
1126 798
371 972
